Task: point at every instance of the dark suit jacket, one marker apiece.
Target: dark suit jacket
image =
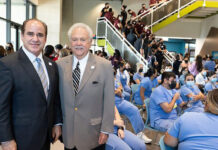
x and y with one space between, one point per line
25 113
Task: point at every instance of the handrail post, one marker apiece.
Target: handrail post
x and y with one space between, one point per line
204 4
105 46
152 11
96 40
179 5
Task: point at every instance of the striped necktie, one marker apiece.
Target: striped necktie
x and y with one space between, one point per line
76 78
42 76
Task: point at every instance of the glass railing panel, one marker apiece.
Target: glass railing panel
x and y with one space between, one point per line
101 29
147 19
114 39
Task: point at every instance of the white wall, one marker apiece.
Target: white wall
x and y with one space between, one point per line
205 28
87 11
190 28
36 2
50 11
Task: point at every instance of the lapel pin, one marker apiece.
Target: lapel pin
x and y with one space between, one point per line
50 64
92 67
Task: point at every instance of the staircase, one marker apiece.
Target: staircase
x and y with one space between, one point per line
109 37
168 12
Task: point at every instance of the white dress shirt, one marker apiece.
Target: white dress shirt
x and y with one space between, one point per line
82 65
32 58
200 79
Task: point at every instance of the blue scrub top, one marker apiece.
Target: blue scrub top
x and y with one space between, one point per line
148 84
137 76
185 90
182 79
118 99
122 78
196 131
210 87
210 65
158 96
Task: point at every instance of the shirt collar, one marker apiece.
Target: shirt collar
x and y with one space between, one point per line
81 61
30 55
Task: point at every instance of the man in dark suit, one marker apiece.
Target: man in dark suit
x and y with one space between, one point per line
29 102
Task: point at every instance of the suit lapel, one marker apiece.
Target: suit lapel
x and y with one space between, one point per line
31 72
69 71
50 77
90 67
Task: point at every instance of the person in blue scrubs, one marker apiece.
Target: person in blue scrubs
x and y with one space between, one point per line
122 78
123 139
213 82
182 76
139 75
163 103
191 95
146 86
169 68
210 64
130 111
196 131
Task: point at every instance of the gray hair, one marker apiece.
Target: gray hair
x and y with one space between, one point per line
80 25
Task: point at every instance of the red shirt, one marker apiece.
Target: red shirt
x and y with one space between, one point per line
133 14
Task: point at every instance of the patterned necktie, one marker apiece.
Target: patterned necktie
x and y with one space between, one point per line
76 78
42 76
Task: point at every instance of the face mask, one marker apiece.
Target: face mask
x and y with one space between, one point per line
186 61
120 19
172 85
190 83
204 73
168 70
140 70
213 80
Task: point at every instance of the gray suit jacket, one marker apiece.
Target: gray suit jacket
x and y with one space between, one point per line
92 109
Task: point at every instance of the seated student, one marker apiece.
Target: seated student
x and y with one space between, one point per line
123 139
182 76
210 64
191 95
196 130
163 102
201 77
123 76
130 111
138 76
212 83
146 86
169 68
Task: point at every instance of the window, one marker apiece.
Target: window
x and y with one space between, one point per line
18 11
3 8
3 32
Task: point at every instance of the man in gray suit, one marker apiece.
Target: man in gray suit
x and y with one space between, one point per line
87 93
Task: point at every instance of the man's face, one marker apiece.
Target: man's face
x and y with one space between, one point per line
80 42
107 6
34 37
144 6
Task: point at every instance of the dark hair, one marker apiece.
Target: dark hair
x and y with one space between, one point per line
129 10
59 46
199 64
110 9
189 74
49 49
210 74
2 51
106 4
177 57
117 52
121 64
150 72
124 6
34 19
167 75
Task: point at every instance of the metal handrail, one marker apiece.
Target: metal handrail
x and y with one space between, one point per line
177 10
111 26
